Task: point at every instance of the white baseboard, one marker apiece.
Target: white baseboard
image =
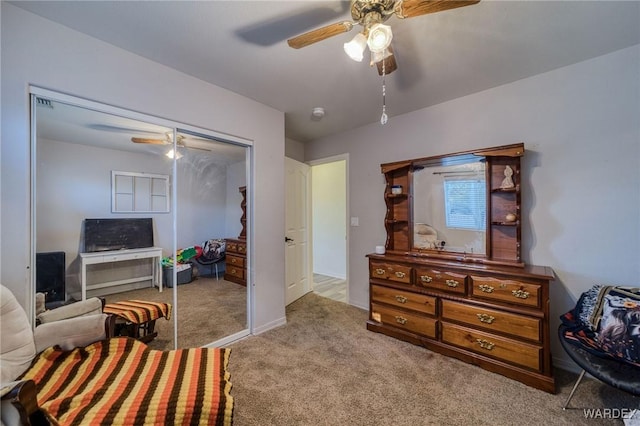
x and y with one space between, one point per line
228 339
268 326
331 274
359 305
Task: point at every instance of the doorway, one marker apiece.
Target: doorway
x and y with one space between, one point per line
329 195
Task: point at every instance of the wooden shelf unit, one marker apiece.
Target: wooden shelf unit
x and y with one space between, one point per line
236 257
398 211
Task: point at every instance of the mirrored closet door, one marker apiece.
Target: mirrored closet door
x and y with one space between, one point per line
130 208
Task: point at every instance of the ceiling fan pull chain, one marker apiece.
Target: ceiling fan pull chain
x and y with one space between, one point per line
383 117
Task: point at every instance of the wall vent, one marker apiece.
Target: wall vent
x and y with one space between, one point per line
44 103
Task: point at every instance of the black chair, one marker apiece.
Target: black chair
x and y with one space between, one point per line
618 374
213 253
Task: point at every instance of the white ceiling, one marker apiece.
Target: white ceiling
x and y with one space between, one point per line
241 46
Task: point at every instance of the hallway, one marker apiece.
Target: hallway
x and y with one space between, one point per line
330 287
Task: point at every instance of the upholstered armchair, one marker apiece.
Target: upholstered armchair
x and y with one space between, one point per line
73 325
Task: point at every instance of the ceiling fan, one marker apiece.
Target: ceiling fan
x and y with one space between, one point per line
371 14
168 140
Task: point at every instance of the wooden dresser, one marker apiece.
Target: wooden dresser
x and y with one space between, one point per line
497 318
236 257
235 261
488 308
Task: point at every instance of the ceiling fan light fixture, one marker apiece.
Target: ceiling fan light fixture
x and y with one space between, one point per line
355 48
380 36
380 56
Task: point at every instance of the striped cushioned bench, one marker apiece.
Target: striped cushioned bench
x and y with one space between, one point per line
137 318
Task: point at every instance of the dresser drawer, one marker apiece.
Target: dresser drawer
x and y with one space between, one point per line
441 280
389 271
232 260
502 348
404 299
491 319
235 271
242 248
511 291
404 320
232 247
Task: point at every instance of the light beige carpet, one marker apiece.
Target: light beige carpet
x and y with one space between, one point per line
208 309
324 368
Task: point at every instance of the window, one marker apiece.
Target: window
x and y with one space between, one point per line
139 192
465 203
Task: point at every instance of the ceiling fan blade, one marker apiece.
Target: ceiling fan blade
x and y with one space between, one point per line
411 8
275 30
149 141
195 147
390 64
320 34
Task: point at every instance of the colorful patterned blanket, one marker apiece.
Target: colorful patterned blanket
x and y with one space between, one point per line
606 322
139 311
120 381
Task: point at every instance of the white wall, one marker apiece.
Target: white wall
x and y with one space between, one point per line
329 204
40 52
201 205
581 189
74 183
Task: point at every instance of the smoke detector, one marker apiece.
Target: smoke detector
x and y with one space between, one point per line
317 113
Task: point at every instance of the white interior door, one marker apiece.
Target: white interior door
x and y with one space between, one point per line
297 225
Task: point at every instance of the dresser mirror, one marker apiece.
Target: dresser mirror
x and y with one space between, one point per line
463 206
450 205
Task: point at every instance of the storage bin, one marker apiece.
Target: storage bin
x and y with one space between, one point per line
184 275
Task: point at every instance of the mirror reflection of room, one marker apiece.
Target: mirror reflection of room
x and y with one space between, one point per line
450 208
106 204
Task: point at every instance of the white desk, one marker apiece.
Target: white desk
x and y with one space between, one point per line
154 253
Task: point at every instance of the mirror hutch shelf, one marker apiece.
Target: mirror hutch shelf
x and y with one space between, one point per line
452 278
236 259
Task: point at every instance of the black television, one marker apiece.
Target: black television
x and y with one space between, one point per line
117 234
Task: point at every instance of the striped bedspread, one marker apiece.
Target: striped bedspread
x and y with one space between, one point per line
139 311
120 381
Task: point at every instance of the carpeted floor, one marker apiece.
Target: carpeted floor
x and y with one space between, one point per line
324 368
208 309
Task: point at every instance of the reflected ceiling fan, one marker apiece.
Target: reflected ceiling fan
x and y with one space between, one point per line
370 14
168 140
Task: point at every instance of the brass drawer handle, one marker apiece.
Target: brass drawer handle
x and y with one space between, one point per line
401 299
520 294
485 288
452 283
425 278
487 319
400 274
380 271
233 260
401 320
485 344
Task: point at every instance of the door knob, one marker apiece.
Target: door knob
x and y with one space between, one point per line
288 240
